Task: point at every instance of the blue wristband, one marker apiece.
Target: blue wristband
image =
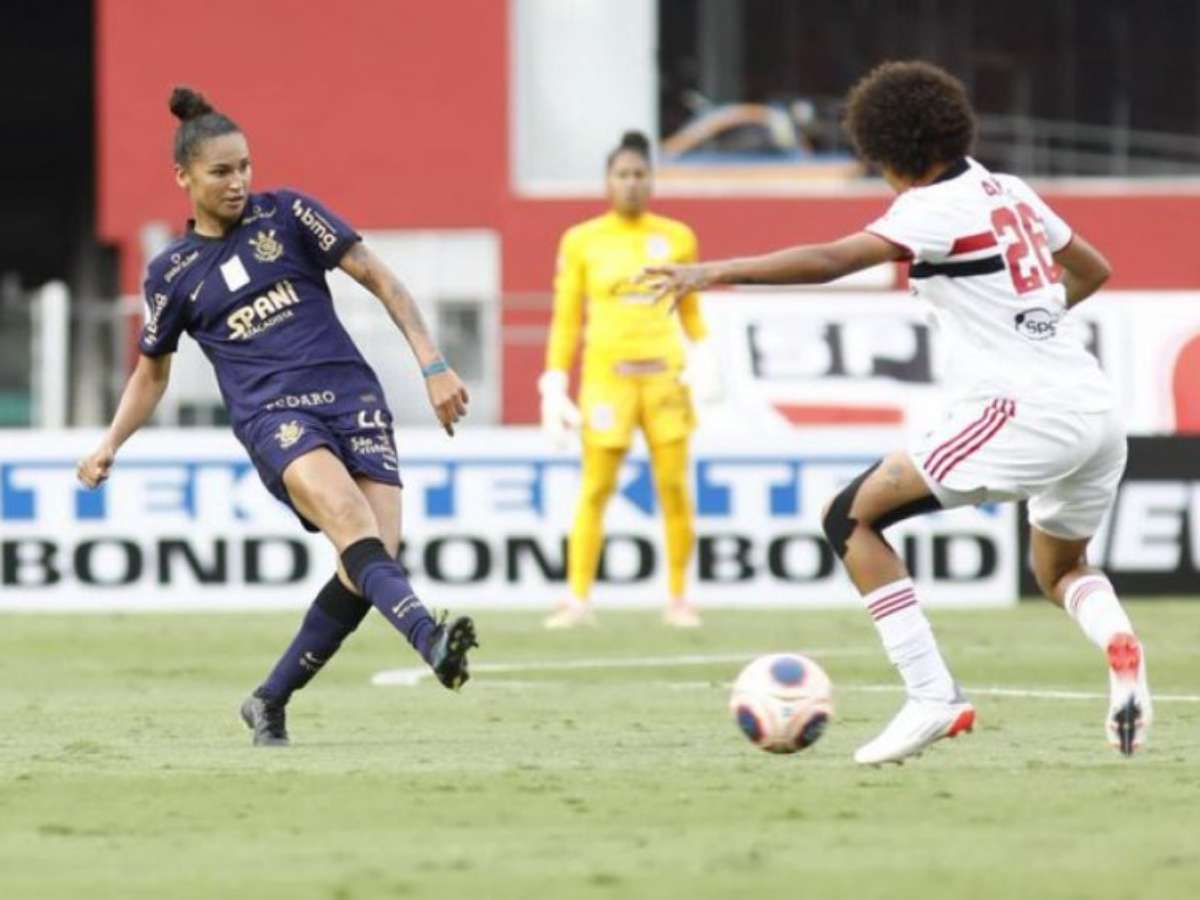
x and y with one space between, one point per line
437 367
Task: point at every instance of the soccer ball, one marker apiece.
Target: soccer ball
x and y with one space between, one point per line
782 702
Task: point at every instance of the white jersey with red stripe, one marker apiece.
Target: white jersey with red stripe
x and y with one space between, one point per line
982 247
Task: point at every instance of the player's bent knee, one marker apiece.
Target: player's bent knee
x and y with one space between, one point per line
1049 575
1045 584
836 521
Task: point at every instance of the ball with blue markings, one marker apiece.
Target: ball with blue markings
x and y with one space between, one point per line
782 702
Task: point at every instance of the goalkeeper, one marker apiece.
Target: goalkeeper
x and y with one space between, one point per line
633 373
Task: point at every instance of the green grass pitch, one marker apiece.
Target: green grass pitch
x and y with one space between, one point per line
567 768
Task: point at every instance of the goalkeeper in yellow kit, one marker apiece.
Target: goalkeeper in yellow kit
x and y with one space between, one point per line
632 375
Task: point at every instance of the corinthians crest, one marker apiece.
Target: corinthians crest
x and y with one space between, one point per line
266 247
288 433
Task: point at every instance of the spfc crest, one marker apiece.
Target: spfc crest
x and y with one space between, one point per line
266 247
288 434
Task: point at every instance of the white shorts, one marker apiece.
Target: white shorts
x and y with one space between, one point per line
1066 464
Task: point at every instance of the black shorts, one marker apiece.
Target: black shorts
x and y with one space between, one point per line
362 440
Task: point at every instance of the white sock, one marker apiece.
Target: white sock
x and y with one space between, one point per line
908 639
1093 604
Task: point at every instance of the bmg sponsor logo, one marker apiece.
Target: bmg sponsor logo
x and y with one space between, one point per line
320 227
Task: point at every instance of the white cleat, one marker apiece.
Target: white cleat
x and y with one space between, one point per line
681 615
1130 710
918 724
570 614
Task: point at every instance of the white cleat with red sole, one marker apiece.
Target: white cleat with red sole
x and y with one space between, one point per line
1130 710
918 724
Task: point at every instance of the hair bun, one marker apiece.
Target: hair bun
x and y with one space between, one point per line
187 104
636 140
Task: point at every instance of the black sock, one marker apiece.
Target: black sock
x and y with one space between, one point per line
384 582
335 613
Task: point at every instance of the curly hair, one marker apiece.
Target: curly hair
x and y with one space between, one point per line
909 116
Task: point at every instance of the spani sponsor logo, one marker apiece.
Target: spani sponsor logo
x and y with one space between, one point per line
262 312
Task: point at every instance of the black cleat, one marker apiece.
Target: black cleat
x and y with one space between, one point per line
1125 721
267 720
448 656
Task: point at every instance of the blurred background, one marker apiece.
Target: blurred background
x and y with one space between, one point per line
464 136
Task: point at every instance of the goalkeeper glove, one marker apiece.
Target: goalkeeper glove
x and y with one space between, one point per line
559 415
701 373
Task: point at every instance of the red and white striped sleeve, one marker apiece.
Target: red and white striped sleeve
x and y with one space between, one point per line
912 224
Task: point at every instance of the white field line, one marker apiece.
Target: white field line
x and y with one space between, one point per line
1031 693
410 677
413 677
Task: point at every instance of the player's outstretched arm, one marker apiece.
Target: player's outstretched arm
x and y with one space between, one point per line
145 388
447 393
805 264
1084 269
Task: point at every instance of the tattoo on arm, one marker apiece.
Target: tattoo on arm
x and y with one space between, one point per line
365 268
403 309
356 263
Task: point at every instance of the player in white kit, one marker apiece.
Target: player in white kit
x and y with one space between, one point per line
1031 416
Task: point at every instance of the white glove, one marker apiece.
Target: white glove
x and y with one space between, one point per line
702 373
559 415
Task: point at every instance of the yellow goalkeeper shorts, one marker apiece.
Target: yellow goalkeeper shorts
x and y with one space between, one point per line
613 405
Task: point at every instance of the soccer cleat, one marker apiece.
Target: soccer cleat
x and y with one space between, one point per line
1130 710
267 720
570 614
681 615
448 653
918 724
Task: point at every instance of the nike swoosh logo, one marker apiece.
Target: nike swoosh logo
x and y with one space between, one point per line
196 292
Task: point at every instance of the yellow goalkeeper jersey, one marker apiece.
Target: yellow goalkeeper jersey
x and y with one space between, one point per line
597 262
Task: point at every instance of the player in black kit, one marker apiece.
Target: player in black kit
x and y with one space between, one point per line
247 282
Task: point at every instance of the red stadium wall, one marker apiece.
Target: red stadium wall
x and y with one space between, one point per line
1143 235
371 110
397 114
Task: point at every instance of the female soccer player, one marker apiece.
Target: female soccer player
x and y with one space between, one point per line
1033 416
631 377
247 282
